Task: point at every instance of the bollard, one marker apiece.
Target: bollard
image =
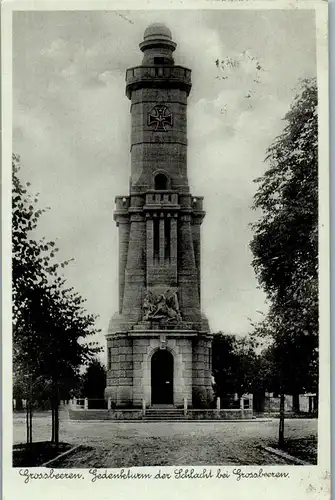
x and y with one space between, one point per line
218 403
143 407
185 407
85 404
242 407
109 403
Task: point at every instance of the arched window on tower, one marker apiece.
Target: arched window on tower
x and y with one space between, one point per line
161 182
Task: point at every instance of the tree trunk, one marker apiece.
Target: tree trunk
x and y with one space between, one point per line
30 422
281 440
27 422
57 418
18 404
259 401
31 411
296 402
52 423
55 414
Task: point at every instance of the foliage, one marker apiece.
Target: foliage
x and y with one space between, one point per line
235 364
94 380
285 244
50 323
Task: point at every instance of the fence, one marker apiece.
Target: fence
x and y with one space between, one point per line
244 403
235 403
76 403
37 405
89 404
270 405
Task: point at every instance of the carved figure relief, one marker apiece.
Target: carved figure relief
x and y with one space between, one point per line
163 306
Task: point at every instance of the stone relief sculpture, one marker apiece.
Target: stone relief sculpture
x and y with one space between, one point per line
163 306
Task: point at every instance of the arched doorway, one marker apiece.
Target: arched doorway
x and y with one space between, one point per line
162 377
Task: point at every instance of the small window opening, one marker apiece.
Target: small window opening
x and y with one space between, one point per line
161 182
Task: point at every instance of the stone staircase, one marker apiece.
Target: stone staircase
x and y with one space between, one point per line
161 414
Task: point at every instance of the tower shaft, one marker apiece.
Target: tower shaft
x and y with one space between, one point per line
159 236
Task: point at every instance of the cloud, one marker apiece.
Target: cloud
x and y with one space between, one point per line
72 130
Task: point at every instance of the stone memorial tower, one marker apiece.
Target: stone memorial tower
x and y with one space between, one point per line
158 343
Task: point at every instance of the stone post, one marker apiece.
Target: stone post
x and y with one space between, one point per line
185 407
143 407
242 406
85 404
109 403
251 402
218 407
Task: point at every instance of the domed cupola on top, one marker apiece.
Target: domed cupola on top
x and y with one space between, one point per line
158 342
157 45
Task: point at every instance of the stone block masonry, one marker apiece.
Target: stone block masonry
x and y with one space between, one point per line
158 342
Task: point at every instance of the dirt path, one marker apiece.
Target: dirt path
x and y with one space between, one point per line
124 444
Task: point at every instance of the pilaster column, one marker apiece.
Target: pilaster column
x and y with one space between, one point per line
135 272
150 242
187 272
124 227
161 240
173 241
174 245
197 249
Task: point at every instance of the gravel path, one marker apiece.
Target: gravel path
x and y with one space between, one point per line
125 444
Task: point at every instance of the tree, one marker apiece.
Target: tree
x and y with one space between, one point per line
234 364
50 324
93 382
28 273
285 244
64 325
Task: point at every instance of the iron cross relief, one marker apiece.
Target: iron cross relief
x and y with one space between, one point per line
160 116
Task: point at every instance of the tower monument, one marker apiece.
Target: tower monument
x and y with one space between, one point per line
158 343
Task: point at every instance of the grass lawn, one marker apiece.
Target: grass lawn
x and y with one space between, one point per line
304 448
37 454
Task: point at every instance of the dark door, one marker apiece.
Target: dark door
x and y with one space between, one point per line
162 377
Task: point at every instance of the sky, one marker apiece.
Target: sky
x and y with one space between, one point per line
71 128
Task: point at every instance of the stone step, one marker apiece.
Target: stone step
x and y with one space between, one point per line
168 415
164 414
148 412
164 418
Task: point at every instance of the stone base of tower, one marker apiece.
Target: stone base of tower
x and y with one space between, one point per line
163 368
